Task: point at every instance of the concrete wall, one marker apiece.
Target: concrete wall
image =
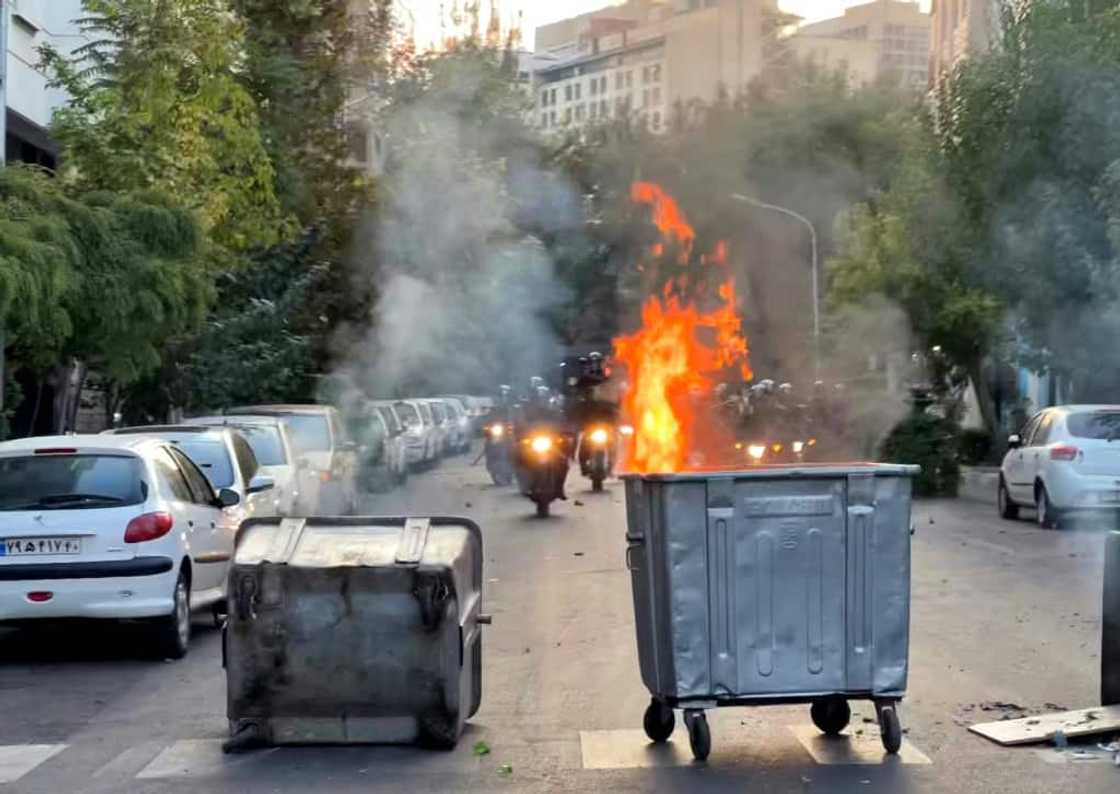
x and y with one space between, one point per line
34 23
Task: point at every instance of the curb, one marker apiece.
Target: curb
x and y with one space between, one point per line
979 484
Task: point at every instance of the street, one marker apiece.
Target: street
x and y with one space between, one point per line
1005 616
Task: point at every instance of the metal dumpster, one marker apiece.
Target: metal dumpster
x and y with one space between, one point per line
785 584
353 630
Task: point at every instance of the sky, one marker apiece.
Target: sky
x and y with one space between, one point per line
541 12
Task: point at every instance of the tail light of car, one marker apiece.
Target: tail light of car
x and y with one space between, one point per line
40 596
149 526
1064 452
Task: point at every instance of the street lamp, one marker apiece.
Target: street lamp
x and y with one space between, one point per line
815 263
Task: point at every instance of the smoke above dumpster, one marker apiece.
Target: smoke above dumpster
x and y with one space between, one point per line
690 338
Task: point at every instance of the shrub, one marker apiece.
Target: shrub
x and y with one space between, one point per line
976 447
931 442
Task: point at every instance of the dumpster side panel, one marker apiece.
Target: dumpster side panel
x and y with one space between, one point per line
653 652
680 517
891 585
789 604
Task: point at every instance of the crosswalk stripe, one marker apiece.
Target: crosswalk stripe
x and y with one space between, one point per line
854 749
16 760
195 758
130 761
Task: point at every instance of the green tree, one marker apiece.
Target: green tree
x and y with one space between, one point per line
157 102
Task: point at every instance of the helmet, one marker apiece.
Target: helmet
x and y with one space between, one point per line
786 389
535 383
767 386
504 390
595 356
543 393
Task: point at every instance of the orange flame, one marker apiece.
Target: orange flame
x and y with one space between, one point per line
673 360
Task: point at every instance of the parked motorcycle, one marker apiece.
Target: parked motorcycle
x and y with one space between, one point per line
542 467
499 463
597 450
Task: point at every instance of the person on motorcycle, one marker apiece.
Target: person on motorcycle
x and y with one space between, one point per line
541 413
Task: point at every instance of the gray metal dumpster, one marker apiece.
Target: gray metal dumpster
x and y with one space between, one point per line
768 586
353 630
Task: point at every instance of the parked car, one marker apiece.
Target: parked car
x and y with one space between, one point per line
433 429
396 443
463 420
1066 460
273 447
226 459
325 453
86 532
445 429
418 438
473 409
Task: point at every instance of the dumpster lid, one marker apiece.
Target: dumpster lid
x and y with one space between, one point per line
785 472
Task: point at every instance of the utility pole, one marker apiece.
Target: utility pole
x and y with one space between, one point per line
4 12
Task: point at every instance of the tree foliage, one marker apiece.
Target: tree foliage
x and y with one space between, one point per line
157 102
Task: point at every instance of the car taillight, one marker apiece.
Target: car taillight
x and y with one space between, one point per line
148 527
1064 452
40 596
325 476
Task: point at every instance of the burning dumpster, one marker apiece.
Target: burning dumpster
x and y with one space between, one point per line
771 586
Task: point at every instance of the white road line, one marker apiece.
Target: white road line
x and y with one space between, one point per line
130 761
16 760
196 758
848 749
631 750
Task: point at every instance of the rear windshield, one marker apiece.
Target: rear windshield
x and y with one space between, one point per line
310 432
440 412
390 419
211 456
426 412
1103 425
266 444
407 413
70 482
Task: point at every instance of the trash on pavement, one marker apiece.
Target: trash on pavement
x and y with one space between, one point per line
354 630
1064 725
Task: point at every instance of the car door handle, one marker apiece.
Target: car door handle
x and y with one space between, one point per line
190 523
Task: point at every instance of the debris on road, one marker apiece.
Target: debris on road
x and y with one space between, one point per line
1057 728
505 770
578 503
481 748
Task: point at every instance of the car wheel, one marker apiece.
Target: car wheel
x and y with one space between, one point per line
1048 517
173 631
1007 508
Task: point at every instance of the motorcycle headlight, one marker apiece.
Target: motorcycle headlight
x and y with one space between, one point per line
798 447
626 430
757 452
497 431
541 444
599 436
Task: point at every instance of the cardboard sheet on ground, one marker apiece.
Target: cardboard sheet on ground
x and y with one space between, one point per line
1042 728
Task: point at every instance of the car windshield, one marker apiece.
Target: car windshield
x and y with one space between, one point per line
1102 425
390 420
408 414
70 482
310 432
439 412
266 444
211 456
426 412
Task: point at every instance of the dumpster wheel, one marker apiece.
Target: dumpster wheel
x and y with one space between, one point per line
890 728
831 715
699 736
659 722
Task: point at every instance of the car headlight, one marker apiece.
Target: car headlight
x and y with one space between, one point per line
798 447
626 430
757 452
599 436
541 444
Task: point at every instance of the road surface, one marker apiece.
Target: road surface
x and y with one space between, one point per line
1004 614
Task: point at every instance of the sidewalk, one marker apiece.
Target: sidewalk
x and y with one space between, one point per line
979 483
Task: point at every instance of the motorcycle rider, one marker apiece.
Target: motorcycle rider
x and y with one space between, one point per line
541 412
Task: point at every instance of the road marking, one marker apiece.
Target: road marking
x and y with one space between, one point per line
853 750
130 761
16 760
195 758
631 750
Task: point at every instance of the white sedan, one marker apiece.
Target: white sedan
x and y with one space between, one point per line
1066 460
112 527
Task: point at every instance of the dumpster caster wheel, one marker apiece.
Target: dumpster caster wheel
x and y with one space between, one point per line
890 728
831 715
659 722
699 737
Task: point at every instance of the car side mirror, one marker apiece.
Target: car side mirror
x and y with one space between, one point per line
260 483
1014 441
228 498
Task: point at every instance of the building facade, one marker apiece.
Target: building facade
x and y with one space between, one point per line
640 59
29 101
880 40
962 28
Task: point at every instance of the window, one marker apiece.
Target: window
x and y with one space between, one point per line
552 118
657 73
310 432
407 413
1043 432
390 418
1028 431
604 108
594 86
645 74
594 110
630 79
656 96
618 78
41 482
210 455
552 98
544 98
172 483
246 460
425 410
266 444
578 86
201 491
603 84
567 115
645 98
657 120
579 112
1103 425
544 120
568 93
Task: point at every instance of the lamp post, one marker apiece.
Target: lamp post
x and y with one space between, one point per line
815 264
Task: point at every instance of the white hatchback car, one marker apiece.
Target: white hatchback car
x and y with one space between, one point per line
1066 460
112 527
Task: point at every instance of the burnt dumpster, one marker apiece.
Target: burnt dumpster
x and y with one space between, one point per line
771 586
354 630
1110 620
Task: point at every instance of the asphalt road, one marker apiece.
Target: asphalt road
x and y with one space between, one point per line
1003 613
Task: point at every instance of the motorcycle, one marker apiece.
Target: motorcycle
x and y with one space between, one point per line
499 464
597 454
542 467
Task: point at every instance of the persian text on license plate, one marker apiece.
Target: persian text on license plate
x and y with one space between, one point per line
27 547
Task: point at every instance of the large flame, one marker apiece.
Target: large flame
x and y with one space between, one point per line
673 361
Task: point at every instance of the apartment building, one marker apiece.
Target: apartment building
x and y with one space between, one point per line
641 58
962 28
883 39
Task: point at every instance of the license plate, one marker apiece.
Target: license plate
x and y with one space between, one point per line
34 547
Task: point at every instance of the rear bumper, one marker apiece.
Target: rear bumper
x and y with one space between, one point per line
1070 490
118 597
108 569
